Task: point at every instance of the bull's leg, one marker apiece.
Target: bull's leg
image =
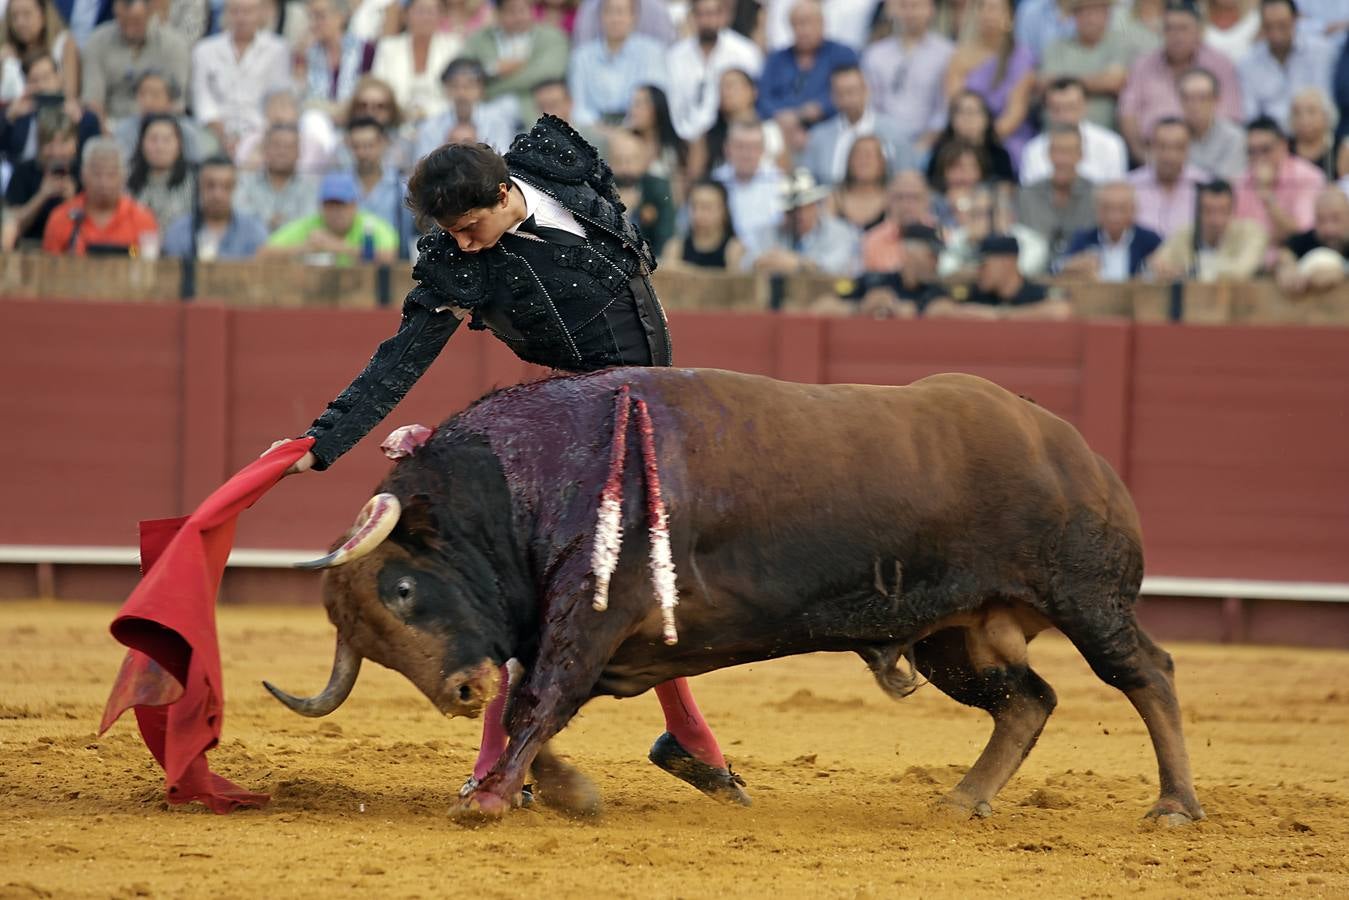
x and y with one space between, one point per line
576 644
560 784
1124 657
986 667
493 731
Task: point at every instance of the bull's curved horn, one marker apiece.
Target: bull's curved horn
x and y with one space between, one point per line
377 518
346 666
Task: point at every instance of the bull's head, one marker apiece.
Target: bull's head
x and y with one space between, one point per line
397 597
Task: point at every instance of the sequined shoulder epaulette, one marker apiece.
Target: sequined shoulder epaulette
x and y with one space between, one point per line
447 274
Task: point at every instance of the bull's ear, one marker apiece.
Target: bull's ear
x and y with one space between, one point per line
417 524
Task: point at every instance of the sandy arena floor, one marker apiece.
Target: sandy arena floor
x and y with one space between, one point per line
843 780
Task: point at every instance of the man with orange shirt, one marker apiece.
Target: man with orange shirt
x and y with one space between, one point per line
102 216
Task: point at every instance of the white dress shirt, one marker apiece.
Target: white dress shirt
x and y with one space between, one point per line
1114 258
1104 156
228 87
695 87
546 212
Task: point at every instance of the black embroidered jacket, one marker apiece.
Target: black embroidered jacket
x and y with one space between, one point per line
574 307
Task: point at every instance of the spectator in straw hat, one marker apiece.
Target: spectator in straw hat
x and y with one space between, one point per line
808 239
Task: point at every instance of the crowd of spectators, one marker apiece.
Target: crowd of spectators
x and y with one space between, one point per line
932 156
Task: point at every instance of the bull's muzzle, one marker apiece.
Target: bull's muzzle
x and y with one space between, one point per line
468 691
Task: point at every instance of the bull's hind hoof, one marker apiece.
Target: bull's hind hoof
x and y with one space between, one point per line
1173 813
719 784
960 809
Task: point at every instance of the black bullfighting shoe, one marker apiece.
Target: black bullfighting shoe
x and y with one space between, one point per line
719 784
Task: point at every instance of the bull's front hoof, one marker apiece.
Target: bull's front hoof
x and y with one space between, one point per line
480 808
719 784
564 788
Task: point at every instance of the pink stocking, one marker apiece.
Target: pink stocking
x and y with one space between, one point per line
685 722
493 732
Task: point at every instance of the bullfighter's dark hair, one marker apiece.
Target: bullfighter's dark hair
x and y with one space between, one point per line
454 179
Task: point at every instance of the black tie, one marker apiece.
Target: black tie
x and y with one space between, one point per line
550 234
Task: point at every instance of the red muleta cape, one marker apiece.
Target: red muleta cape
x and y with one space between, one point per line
171 674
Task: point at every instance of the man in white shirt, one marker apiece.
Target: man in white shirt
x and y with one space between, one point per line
697 63
232 71
1104 154
753 186
831 141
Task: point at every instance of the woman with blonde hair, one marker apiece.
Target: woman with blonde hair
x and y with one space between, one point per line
35 28
988 62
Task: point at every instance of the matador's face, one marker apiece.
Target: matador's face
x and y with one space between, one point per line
479 229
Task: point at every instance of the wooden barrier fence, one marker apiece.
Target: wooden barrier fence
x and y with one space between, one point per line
294 285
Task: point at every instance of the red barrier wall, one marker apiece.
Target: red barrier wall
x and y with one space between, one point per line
1234 440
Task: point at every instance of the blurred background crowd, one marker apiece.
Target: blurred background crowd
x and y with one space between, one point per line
922 153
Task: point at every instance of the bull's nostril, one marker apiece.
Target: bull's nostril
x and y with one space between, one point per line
464 693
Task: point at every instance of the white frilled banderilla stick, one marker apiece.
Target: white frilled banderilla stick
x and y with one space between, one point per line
609 525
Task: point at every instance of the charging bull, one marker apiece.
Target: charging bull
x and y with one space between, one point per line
736 518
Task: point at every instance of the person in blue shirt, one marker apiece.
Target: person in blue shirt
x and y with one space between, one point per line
221 232
795 80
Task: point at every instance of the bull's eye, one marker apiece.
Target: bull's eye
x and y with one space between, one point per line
403 593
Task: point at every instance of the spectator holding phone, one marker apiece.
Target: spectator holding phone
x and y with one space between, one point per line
40 185
42 99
